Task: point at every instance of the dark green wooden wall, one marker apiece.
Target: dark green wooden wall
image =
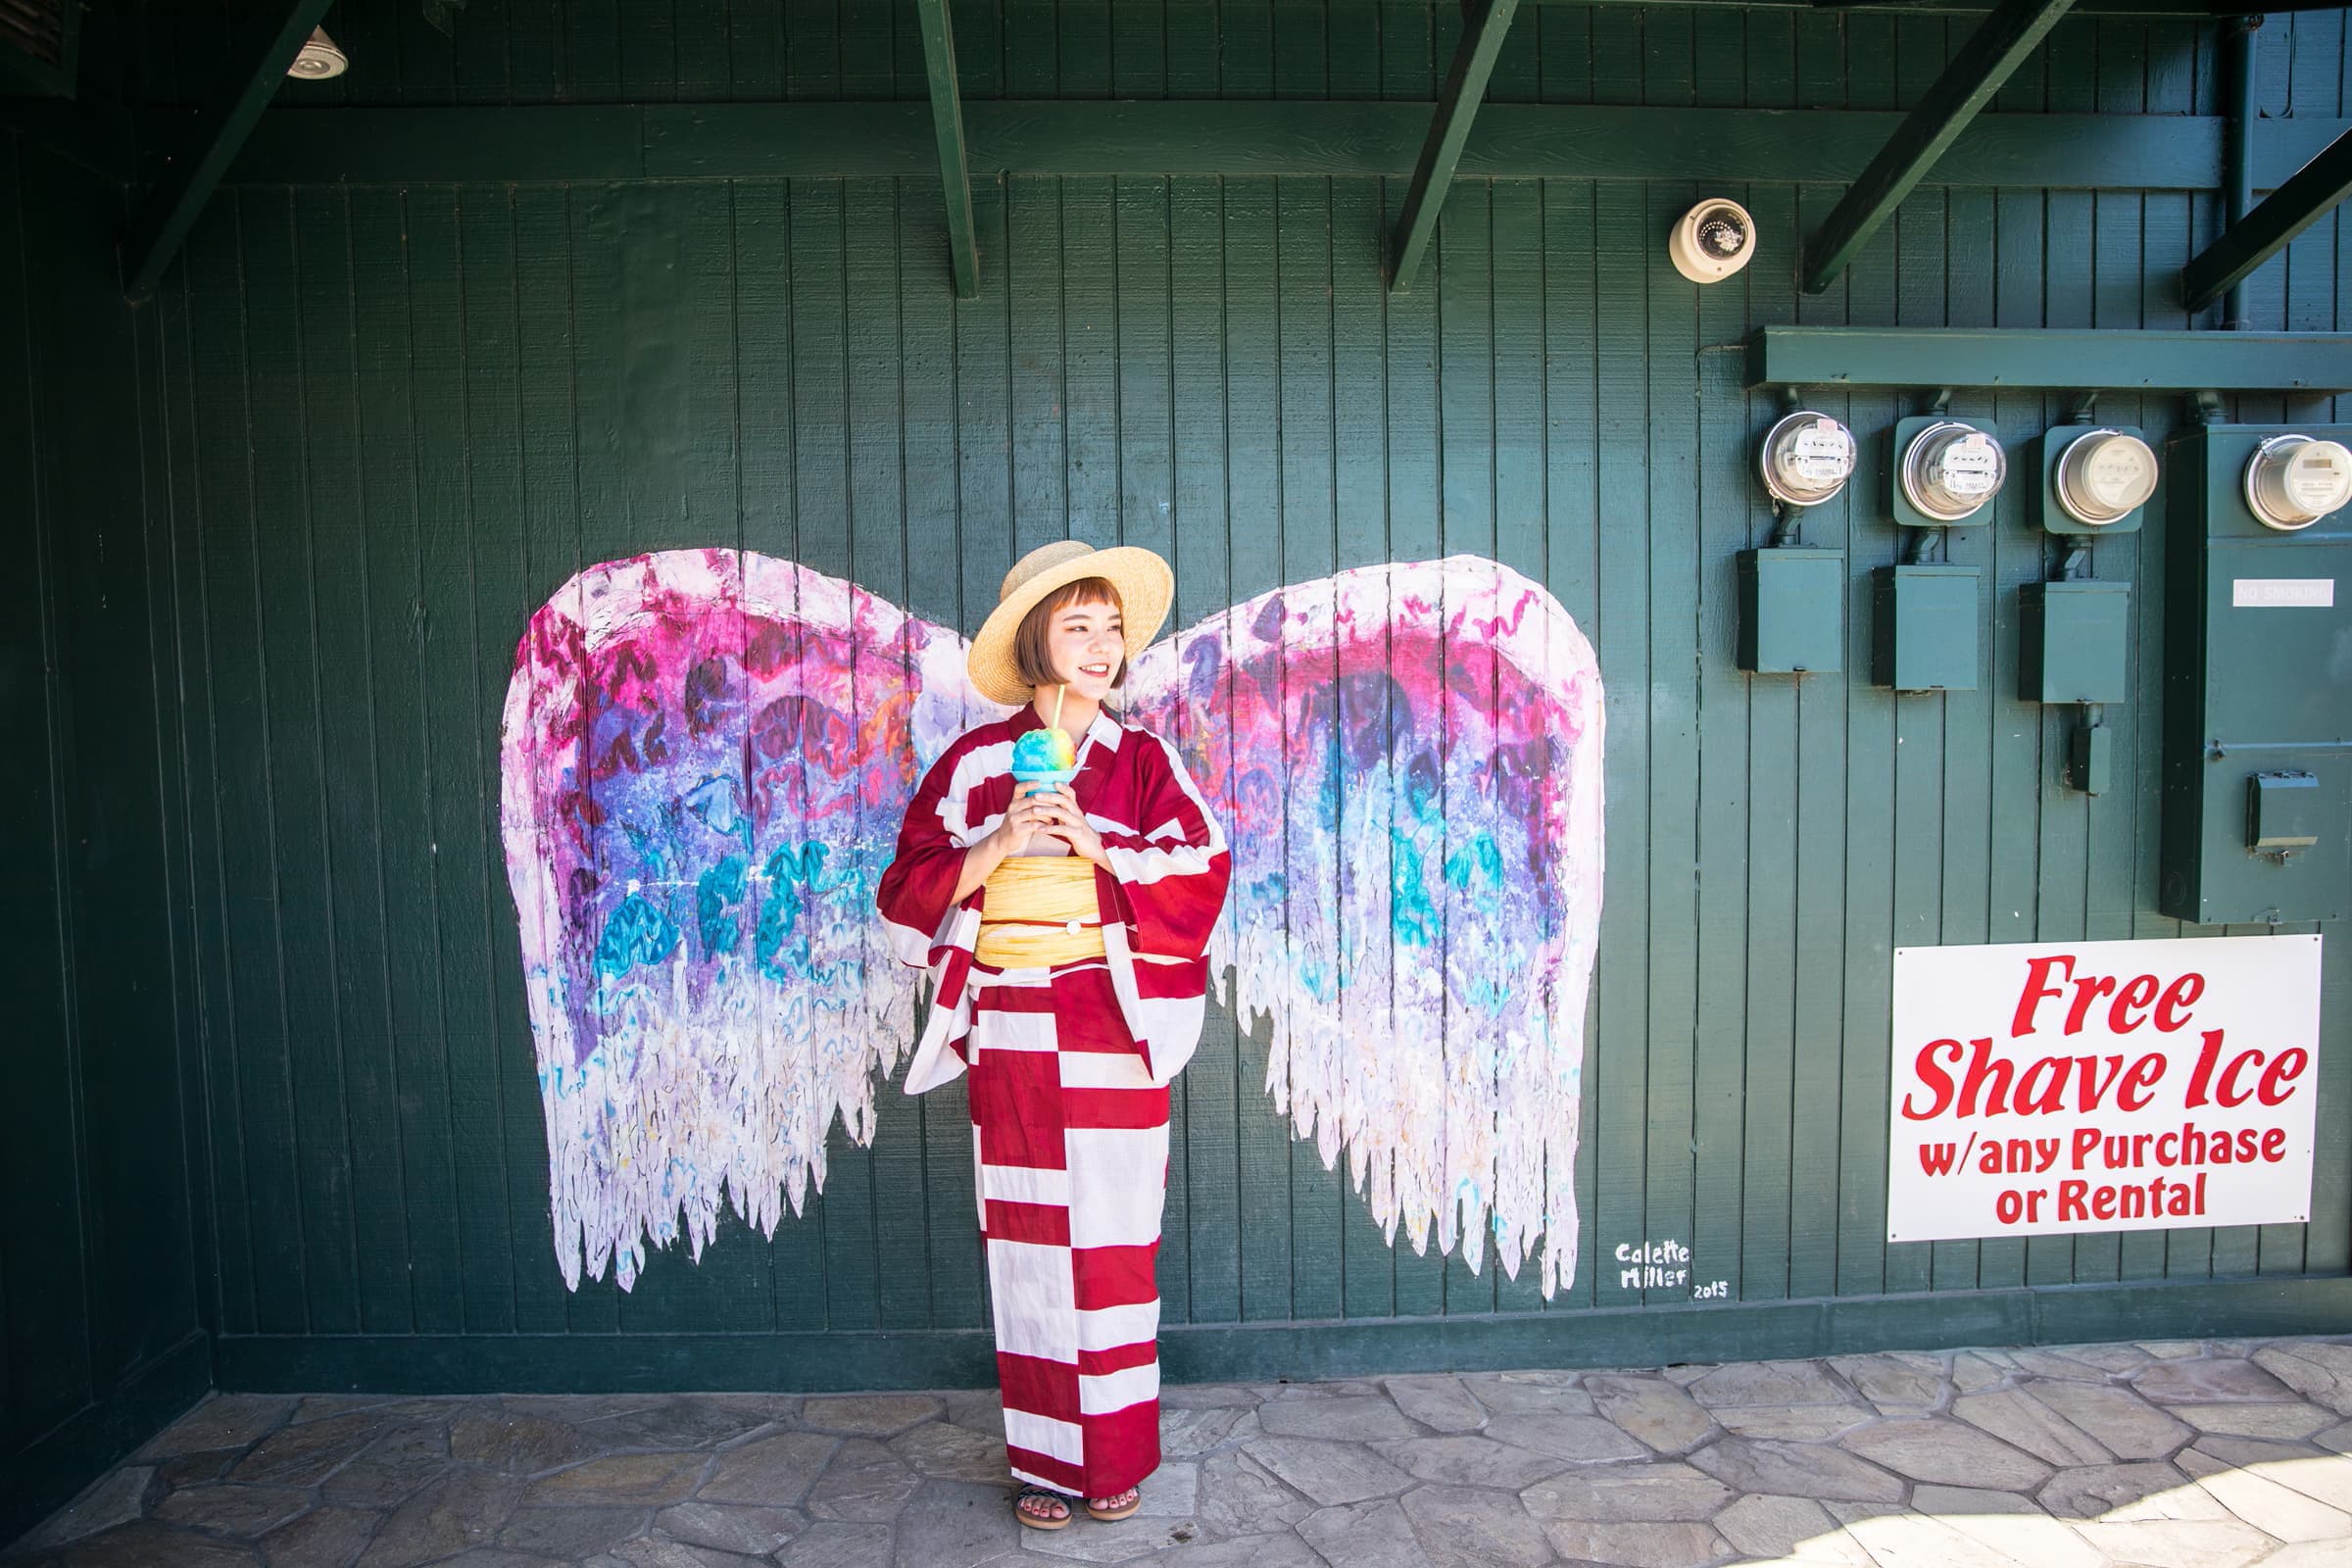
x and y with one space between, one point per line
396 417
105 1274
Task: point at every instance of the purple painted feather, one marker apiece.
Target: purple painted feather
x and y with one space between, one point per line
706 755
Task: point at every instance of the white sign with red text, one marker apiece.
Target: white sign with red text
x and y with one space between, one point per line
2051 1087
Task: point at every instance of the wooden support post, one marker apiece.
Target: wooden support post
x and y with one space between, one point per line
947 127
2309 195
1465 84
171 208
1967 85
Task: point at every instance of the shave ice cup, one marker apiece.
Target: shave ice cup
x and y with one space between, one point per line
1043 757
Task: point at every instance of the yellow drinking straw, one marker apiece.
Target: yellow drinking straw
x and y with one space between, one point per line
1059 692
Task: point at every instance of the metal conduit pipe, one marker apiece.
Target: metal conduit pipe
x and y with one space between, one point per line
2237 61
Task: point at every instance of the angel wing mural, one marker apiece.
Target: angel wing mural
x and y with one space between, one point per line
706 754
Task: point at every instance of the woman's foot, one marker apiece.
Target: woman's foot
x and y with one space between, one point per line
1118 1505
1040 1509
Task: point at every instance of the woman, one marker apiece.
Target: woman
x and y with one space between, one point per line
1063 926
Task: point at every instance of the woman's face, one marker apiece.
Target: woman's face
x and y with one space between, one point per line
1086 645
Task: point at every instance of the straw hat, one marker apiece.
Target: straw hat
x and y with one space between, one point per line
1144 582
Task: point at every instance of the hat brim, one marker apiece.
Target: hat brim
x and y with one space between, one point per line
1146 585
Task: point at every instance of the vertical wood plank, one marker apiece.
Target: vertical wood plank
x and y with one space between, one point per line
1516 245
1211 1097
1254 459
1033 271
1966 270
596 300
547 434
1616 1054
1308 545
45 1312
301 873
260 1199
1573 532
1673 699
1090 337
353 805
1360 508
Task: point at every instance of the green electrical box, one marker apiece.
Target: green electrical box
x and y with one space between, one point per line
1924 628
1791 611
2074 641
2257 693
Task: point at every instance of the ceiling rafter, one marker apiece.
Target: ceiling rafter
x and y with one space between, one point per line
163 220
2310 194
1992 52
947 128
1482 30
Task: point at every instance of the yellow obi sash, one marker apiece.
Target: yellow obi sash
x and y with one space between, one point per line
1040 910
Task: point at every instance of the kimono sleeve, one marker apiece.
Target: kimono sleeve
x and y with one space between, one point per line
1170 877
917 890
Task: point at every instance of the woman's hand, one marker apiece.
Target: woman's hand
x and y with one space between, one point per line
1023 819
1062 819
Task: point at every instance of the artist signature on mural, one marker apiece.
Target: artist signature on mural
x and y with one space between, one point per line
1663 1265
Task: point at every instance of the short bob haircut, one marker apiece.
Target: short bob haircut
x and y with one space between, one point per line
1029 652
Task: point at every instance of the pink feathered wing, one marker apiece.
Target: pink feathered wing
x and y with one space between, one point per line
705 756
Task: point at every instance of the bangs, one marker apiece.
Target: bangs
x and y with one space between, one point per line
1084 591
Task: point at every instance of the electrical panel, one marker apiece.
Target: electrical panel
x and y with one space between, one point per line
1791 611
2074 641
1924 627
2258 676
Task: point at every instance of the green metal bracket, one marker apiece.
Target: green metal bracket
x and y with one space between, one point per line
2050 360
1465 84
1967 85
2313 191
946 125
171 208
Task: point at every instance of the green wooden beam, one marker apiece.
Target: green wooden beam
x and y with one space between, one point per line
2032 358
1636 1336
1994 50
574 143
1442 149
2309 195
947 128
171 208
2148 10
2111 10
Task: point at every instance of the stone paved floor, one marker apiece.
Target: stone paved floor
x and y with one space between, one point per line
2185 1455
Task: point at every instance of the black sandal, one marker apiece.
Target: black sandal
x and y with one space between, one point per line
1034 1521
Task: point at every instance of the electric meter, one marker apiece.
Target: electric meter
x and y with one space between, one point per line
2292 481
1949 469
2103 476
1806 458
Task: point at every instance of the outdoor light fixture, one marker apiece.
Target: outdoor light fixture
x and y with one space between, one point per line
2095 480
1806 458
2292 481
1714 239
319 58
1949 469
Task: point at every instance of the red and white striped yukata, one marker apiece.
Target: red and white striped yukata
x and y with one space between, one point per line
1070 1066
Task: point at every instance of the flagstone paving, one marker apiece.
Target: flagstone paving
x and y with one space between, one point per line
2187 1454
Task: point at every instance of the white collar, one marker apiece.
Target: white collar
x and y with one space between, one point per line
1104 731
